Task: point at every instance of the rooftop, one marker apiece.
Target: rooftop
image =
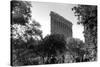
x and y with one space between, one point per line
60 18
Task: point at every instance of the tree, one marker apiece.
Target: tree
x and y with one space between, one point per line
76 49
25 34
24 42
87 16
53 45
20 12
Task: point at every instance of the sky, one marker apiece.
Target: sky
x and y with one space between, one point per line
41 13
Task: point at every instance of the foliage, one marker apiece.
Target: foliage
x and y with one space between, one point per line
52 45
87 16
24 42
24 52
20 12
25 34
76 49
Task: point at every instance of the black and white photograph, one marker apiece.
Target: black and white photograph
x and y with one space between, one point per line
44 33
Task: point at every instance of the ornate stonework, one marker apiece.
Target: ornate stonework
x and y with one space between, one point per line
59 25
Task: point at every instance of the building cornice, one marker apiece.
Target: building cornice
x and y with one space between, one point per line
59 18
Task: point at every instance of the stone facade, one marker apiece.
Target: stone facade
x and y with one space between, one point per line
59 25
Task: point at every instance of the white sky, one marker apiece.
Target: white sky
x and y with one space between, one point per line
41 13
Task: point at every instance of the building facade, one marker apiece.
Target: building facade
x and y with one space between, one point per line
59 25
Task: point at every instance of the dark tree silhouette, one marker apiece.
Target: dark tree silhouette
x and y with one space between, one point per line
87 16
53 45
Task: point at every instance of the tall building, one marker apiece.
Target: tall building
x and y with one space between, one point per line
59 25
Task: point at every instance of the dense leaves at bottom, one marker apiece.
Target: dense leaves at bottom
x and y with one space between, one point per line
53 49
